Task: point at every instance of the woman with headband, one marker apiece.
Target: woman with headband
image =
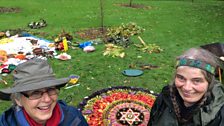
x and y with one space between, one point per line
195 97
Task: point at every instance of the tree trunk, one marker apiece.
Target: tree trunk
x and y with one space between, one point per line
101 16
130 3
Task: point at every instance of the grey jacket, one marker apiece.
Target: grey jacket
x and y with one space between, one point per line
162 113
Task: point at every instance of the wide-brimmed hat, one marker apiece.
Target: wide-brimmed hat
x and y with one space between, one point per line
32 75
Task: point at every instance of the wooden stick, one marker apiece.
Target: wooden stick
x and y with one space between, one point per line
141 40
220 75
4 82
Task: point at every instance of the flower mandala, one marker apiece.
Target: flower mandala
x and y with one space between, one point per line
118 106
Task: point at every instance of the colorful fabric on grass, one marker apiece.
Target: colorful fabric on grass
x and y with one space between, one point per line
118 106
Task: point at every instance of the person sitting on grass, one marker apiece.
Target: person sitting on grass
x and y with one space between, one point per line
34 94
195 97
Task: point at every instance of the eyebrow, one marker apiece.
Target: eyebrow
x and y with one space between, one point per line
191 78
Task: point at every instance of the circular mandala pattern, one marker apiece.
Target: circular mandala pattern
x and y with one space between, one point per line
127 113
118 106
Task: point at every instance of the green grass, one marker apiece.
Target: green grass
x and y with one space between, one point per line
173 25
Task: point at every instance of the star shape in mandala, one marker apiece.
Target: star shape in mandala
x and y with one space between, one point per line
130 116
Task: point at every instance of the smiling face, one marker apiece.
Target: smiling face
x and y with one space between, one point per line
40 109
191 84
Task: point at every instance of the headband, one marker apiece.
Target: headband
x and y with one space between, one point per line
197 64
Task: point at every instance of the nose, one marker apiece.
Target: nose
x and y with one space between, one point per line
46 97
187 86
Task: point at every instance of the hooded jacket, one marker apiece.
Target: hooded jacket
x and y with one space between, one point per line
70 117
212 114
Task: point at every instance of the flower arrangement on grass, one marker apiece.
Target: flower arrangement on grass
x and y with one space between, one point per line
118 106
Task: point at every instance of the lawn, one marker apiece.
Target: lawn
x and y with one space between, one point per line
172 25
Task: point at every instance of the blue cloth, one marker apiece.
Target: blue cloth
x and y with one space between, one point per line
70 117
84 44
25 34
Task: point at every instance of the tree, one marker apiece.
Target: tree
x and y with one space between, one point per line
101 17
130 3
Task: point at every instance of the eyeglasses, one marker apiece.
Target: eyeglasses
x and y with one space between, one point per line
38 94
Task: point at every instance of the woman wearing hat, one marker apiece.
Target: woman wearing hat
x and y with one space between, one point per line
195 97
34 94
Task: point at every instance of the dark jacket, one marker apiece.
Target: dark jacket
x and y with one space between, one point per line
70 117
212 114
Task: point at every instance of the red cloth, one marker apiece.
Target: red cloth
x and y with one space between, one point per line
53 121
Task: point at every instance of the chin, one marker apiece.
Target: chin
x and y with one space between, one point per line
43 118
190 101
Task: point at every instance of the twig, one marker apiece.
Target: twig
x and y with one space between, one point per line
4 81
141 40
220 75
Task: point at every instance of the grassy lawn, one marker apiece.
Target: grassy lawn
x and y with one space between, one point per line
173 25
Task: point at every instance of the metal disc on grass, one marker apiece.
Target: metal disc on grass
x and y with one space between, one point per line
132 72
